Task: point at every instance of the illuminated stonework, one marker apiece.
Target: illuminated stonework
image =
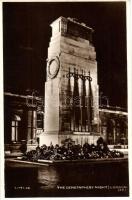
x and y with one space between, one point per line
71 88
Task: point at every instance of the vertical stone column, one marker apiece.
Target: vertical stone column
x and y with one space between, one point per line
31 124
70 47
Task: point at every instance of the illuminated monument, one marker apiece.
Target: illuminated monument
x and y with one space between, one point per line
71 98
71 88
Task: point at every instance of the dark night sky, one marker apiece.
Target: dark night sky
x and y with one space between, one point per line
26 34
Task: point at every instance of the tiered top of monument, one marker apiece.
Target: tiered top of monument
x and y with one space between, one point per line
71 27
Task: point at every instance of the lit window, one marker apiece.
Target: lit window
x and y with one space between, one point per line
14 132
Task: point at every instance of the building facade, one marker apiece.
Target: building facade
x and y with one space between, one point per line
23 120
114 126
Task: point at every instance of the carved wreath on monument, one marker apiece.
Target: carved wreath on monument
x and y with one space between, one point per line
53 67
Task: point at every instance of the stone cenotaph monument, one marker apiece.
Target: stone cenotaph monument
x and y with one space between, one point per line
71 88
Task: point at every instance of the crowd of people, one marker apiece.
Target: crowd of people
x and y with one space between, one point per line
70 151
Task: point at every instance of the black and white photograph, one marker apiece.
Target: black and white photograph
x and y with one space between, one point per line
65 99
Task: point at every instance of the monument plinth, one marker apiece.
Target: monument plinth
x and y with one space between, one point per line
71 88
